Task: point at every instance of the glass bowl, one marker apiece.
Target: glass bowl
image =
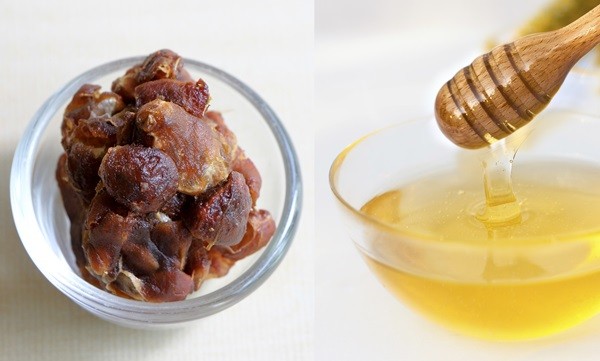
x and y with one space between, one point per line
43 226
514 289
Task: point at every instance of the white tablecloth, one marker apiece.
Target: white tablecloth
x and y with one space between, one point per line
267 44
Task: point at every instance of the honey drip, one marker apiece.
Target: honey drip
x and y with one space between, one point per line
501 205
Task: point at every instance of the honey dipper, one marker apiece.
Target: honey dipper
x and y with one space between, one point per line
503 90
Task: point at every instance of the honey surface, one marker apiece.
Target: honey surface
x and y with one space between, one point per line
499 290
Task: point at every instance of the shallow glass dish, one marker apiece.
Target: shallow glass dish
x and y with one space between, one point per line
522 288
43 226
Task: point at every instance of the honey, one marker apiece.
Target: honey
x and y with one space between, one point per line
489 265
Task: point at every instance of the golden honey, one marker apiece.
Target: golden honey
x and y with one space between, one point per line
448 257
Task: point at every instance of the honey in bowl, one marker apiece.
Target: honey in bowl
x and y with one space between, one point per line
517 258
527 297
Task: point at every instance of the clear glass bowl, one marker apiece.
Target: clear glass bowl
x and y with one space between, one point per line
457 282
42 223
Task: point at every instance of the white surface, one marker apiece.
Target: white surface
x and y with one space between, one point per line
381 62
265 43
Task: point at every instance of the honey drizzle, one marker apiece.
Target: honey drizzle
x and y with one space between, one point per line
501 205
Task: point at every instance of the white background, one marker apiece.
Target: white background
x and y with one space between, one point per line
380 62
265 43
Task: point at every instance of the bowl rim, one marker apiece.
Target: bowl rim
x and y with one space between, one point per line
139 313
338 162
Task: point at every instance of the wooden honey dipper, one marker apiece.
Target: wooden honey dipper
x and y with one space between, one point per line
503 90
